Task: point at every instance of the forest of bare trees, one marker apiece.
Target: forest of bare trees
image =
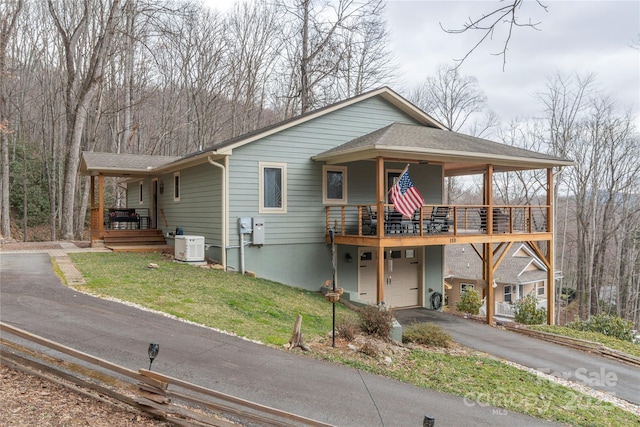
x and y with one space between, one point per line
172 77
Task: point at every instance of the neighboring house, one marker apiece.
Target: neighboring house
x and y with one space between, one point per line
520 273
267 201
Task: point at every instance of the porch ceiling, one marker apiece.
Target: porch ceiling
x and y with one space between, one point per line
121 165
460 154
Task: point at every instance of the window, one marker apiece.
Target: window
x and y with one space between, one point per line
465 287
176 186
366 256
392 175
140 187
273 187
507 293
541 290
334 184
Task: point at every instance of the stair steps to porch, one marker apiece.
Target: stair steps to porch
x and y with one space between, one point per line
136 241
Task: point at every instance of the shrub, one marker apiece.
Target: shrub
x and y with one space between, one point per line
612 326
426 334
376 322
347 328
528 313
469 302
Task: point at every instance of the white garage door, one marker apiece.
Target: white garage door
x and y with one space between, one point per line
401 276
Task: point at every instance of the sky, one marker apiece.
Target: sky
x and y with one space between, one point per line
584 37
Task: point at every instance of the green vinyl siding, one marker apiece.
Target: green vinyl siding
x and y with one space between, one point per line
295 250
304 221
433 272
198 212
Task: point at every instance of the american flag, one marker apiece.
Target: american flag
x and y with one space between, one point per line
405 197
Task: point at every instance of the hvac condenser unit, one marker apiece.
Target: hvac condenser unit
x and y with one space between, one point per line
189 248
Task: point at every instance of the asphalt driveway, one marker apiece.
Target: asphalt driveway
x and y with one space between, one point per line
32 298
598 372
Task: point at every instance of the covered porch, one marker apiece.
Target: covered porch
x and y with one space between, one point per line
123 228
490 227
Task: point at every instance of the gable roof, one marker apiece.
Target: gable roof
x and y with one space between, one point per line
462 262
461 153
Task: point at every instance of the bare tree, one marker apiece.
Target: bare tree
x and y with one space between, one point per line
367 61
315 48
587 127
86 30
9 13
522 187
487 24
449 97
253 38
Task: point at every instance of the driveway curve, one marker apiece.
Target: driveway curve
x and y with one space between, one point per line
598 372
32 298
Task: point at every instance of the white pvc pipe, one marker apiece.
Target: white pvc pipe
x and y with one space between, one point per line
225 214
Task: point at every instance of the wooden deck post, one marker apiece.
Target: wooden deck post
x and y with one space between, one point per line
101 202
380 229
488 247
550 251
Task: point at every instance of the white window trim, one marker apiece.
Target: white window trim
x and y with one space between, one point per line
261 167
325 199
176 198
510 293
541 285
140 193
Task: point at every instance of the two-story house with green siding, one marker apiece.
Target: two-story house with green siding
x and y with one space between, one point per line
272 200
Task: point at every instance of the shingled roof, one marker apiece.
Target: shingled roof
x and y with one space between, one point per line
462 262
461 151
111 164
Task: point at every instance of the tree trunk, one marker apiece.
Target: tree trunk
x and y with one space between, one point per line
297 339
8 21
6 220
78 104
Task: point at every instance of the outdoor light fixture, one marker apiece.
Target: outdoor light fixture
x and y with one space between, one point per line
348 257
153 352
161 187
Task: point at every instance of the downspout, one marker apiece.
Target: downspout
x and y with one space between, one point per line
225 213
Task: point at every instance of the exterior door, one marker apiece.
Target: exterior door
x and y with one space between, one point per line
367 259
402 269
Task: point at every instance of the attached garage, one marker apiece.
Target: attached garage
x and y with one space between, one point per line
402 273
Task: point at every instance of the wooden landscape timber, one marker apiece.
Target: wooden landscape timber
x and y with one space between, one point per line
152 393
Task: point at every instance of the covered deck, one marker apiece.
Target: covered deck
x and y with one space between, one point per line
440 223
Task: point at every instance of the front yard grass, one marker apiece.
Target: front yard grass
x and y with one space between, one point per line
266 311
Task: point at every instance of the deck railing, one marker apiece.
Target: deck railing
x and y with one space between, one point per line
363 220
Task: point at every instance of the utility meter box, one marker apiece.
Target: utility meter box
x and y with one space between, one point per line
258 231
245 225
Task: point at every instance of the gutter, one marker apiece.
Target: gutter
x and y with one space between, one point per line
225 211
